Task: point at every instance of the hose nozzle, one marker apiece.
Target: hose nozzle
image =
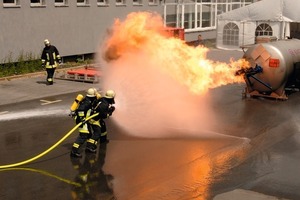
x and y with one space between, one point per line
249 71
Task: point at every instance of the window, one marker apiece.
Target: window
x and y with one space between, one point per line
264 30
102 2
205 16
231 34
137 2
197 15
153 2
11 3
82 2
37 3
170 18
189 16
61 2
120 2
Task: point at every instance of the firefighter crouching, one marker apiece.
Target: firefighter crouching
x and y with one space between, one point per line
80 113
105 108
50 60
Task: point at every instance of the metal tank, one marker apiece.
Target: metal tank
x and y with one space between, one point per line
273 66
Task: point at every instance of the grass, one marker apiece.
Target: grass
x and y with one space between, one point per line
28 63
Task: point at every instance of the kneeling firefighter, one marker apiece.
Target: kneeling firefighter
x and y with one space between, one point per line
80 114
105 109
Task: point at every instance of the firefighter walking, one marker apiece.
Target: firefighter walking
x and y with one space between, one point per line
50 60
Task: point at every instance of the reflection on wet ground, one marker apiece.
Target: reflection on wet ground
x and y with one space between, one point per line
171 169
88 180
92 182
122 169
253 145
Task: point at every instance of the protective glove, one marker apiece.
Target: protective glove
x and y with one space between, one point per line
43 65
111 109
83 120
80 120
72 114
59 61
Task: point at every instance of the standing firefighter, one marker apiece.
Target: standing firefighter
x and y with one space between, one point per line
50 59
105 109
80 114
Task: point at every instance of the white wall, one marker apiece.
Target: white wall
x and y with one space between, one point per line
74 30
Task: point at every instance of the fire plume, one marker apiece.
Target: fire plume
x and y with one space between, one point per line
142 34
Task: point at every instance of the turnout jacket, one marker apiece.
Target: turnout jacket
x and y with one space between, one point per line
104 108
84 109
50 56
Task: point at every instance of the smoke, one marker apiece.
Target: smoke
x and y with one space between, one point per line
150 103
160 82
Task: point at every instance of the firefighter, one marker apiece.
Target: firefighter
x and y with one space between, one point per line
50 60
199 42
105 109
80 114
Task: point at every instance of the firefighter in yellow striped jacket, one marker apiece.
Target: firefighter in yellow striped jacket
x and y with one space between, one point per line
81 113
105 107
50 60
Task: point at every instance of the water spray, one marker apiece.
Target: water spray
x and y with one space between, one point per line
32 113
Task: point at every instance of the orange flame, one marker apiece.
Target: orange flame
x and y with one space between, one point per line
142 34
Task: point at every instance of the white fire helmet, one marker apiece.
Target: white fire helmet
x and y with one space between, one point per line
92 92
110 94
46 42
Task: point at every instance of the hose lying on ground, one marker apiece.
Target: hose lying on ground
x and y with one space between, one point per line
49 149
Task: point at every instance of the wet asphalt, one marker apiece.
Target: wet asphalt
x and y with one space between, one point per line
251 153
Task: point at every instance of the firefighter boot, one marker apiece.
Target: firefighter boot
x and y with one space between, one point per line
75 153
91 146
103 139
49 81
90 150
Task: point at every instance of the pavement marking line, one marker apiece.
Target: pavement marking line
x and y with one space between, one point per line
3 112
46 102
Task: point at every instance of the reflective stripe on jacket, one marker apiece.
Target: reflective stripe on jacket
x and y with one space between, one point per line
50 56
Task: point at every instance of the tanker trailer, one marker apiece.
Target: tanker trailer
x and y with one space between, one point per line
274 67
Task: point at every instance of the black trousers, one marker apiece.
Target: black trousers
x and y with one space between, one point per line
50 74
98 133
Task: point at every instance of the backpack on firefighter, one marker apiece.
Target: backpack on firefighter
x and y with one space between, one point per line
79 98
75 105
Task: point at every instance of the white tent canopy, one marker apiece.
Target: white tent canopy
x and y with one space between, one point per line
276 13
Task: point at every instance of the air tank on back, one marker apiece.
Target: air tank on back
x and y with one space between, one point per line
273 66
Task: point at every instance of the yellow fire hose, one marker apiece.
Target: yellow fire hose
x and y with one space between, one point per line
49 149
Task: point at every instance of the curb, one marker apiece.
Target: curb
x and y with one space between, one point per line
37 74
29 75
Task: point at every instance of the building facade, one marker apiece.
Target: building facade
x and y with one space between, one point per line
255 23
78 27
